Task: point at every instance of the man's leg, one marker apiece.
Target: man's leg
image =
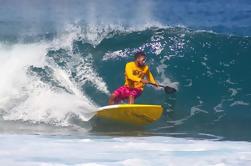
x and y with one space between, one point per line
131 99
112 99
134 93
117 95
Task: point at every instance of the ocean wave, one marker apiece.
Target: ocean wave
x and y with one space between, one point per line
75 72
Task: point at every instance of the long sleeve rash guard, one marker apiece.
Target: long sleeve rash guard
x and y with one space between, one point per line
134 74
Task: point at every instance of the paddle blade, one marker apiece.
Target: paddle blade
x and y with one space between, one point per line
169 89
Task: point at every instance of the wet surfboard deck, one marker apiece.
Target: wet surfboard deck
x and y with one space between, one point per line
133 114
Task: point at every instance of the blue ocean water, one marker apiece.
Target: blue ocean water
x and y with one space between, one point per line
60 61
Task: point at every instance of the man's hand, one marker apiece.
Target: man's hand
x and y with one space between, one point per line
144 81
156 85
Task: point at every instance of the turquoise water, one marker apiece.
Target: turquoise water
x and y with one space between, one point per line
213 95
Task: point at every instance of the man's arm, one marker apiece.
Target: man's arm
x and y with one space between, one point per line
150 78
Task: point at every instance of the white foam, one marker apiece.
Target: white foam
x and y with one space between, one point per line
163 78
123 151
87 72
23 97
235 103
195 109
13 61
116 54
135 161
233 91
229 81
94 32
219 108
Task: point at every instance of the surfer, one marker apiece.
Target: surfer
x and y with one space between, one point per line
137 74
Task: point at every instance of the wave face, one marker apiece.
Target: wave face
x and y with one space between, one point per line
70 76
211 71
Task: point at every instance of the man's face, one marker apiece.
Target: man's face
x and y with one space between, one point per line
141 60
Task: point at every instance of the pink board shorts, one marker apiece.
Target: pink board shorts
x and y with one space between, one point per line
124 92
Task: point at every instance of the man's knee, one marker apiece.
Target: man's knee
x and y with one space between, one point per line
112 99
113 96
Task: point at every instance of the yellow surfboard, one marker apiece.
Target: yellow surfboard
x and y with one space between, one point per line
134 114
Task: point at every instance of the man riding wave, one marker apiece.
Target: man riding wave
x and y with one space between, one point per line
137 74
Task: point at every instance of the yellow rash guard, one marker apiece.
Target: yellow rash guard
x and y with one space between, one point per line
134 74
